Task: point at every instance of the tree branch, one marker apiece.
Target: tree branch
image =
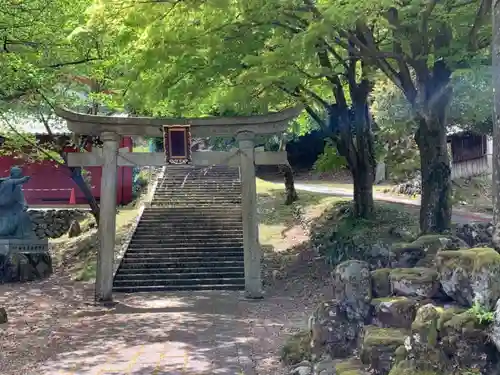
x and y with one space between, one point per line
481 16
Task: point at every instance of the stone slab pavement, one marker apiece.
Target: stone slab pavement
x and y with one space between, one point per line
213 333
458 217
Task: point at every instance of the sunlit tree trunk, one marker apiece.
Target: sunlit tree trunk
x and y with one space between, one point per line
496 123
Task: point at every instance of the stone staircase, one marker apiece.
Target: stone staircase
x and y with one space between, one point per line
191 237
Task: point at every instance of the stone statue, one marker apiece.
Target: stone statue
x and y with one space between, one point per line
15 222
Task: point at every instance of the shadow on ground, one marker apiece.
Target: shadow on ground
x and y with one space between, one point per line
54 330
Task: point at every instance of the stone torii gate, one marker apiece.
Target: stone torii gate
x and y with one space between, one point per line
244 128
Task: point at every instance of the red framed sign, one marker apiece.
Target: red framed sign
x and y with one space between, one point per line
177 144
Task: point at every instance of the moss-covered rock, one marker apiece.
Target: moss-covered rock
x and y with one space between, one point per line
465 342
412 368
446 313
396 312
332 332
350 367
421 252
378 347
297 348
381 286
424 329
414 282
470 276
353 289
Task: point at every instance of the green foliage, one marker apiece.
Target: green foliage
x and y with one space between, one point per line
483 315
470 108
330 160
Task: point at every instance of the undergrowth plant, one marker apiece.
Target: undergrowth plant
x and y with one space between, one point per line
483 315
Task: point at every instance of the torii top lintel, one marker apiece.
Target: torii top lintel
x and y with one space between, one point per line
274 122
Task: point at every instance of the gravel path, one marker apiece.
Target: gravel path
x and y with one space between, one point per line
54 329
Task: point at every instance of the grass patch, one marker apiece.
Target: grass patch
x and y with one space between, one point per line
78 255
341 236
276 218
473 193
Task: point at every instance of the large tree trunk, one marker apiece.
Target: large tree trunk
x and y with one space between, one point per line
496 125
435 209
364 173
290 192
363 193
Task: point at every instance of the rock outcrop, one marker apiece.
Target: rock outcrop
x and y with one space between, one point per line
353 289
470 276
434 320
414 282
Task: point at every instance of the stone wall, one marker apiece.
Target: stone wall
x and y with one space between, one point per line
53 223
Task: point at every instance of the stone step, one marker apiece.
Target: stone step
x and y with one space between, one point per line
199 192
197 186
190 213
220 197
158 253
191 222
198 236
179 276
166 282
189 231
214 227
216 217
138 271
185 264
209 201
196 245
193 242
173 288
234 208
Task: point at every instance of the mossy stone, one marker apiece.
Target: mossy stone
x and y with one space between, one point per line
470 276
381 286
297 348
379 345
421 252
409 368
414 282
396 312
425 326
445 314
350 367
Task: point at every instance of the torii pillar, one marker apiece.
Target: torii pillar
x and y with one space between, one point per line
107 217
109 129
252 254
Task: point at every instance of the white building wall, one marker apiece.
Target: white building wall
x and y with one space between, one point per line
474 167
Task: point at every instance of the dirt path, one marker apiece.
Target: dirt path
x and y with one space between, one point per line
459 216
54 329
